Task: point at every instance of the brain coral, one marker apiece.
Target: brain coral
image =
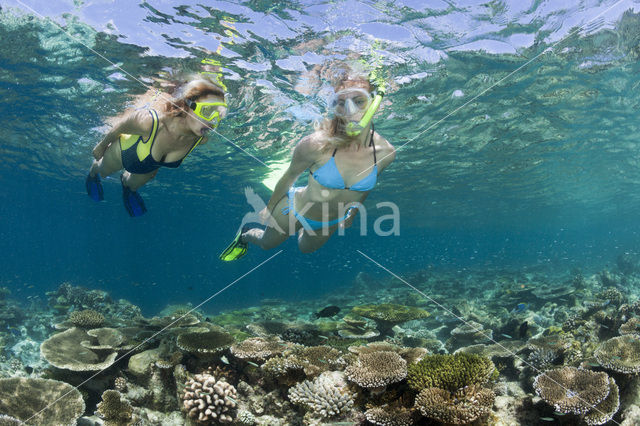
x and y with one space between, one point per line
450 372
460 407
377 369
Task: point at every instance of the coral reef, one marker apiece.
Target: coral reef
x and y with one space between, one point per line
390 416
30 399
450 372
387 315
207 343
61 351
326 396
460 407
377 369
87 318
571 390
621 354
259 348
206 399
114 410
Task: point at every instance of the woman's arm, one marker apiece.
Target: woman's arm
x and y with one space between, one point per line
304 155
135 122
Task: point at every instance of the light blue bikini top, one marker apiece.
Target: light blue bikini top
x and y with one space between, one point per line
329 176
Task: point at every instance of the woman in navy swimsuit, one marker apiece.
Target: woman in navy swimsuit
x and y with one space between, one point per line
344 157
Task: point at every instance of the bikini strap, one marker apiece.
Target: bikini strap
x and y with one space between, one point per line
154 126
334 152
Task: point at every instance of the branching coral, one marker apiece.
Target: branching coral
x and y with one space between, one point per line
377 369
460 407
312 360
571 390
450 372
206 399
621 354
87 318
326 396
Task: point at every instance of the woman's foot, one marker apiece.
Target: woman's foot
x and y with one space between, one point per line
133 202
94 187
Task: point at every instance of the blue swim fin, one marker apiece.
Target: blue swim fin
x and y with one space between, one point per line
94 187
133 202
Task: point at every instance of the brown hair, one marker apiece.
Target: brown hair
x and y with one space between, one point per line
195 89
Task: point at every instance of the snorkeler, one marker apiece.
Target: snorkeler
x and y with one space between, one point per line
344 157
143 140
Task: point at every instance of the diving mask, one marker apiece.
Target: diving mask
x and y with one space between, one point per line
208 111
355 100
350 101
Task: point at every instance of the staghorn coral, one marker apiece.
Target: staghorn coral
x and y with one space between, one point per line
207 400
450 372
460 407
207 343
259 348
377 369
30 399
326 396
87 318
571 390
542 358
114 410
621 354
64 350
386 315
390 416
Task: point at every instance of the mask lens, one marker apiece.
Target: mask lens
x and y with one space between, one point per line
351 101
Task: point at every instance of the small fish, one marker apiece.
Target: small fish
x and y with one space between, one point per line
232 400
507 336
593 364
522 331
323 337
604 326
327 312
28 369
520 307
224 359
548 419
322 360
15 331
253 363
557 413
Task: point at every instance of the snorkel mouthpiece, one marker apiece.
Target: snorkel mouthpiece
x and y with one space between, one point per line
355 128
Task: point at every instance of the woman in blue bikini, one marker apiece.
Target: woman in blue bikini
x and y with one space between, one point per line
344 157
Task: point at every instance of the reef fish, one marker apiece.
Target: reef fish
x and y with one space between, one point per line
522 331
329 311
520 307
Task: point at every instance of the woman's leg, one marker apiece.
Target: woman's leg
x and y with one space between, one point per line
308 243
110 162
272 236
134 181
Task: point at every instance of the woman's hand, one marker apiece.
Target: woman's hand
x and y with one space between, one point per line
99 150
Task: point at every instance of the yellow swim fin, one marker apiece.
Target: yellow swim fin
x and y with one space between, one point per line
236 249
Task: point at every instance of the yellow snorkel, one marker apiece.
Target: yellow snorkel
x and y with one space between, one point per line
376 78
